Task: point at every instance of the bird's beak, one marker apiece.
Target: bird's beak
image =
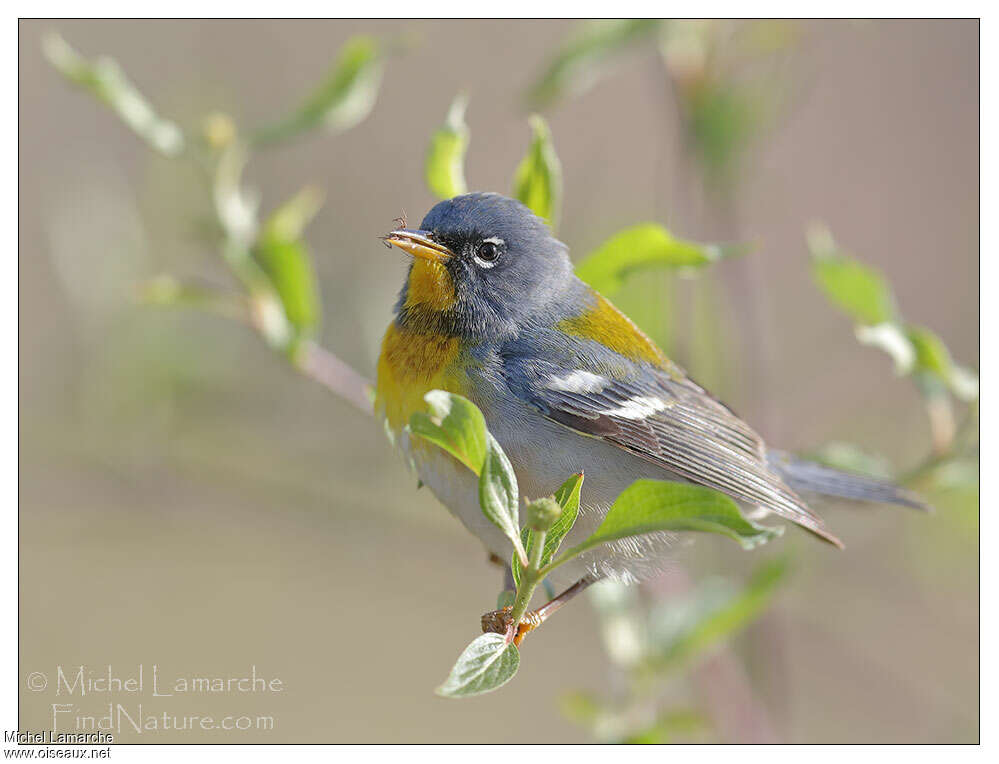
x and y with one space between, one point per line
418 244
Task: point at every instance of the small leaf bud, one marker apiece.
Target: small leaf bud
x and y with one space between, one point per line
542 514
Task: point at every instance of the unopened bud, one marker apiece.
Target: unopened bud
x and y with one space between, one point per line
542 514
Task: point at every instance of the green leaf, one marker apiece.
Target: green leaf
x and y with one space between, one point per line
498 495
105 80
527 542
649 506
646 245
582 58
713 612
932 357
538 180
486 665
444 168
456 425
284 256
567 497
866 297
343 99
857 289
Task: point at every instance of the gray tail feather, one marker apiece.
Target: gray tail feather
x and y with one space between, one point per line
805 476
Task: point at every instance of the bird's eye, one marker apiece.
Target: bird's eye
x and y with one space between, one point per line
488 252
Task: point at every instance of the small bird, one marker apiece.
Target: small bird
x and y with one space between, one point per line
492 310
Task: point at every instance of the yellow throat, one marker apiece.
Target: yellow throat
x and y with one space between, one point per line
413 362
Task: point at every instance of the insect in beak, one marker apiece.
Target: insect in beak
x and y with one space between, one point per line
418 244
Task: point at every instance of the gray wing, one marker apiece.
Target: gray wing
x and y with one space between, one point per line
661 416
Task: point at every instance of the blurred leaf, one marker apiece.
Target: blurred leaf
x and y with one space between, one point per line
284 256
851 458
964 383
930 353
857 289
444 169
289 265
456 425
620 725
622 622
647 245
538 180
713 612
649 506
343 99
866 297
498 495
236 209
668 726
580 707
890 338
721 120
485 665
288 221
582 58
932 357
730 79
956 475
105 80
167 291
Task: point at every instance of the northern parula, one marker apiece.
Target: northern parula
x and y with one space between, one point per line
492 310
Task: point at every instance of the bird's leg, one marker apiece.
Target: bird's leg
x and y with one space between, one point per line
500 621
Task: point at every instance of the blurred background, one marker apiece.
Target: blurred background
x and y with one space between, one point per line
188 500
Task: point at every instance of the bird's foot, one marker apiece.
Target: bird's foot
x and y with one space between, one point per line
501 622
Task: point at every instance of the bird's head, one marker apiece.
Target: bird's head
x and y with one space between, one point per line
482 265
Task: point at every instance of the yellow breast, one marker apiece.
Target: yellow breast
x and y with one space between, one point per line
411 365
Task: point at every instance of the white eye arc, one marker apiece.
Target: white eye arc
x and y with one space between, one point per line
488 252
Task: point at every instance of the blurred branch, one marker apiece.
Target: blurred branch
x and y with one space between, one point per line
960 445
720 679
335 375
736 712
269 260
105 80
865 295
584 57
167 291
342 100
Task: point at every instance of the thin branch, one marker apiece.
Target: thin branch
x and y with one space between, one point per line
321 366
959 444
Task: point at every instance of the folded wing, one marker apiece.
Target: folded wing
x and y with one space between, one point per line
656 413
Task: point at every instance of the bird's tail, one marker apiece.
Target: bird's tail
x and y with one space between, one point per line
808 477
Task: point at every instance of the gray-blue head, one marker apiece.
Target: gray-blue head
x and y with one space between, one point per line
483 264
